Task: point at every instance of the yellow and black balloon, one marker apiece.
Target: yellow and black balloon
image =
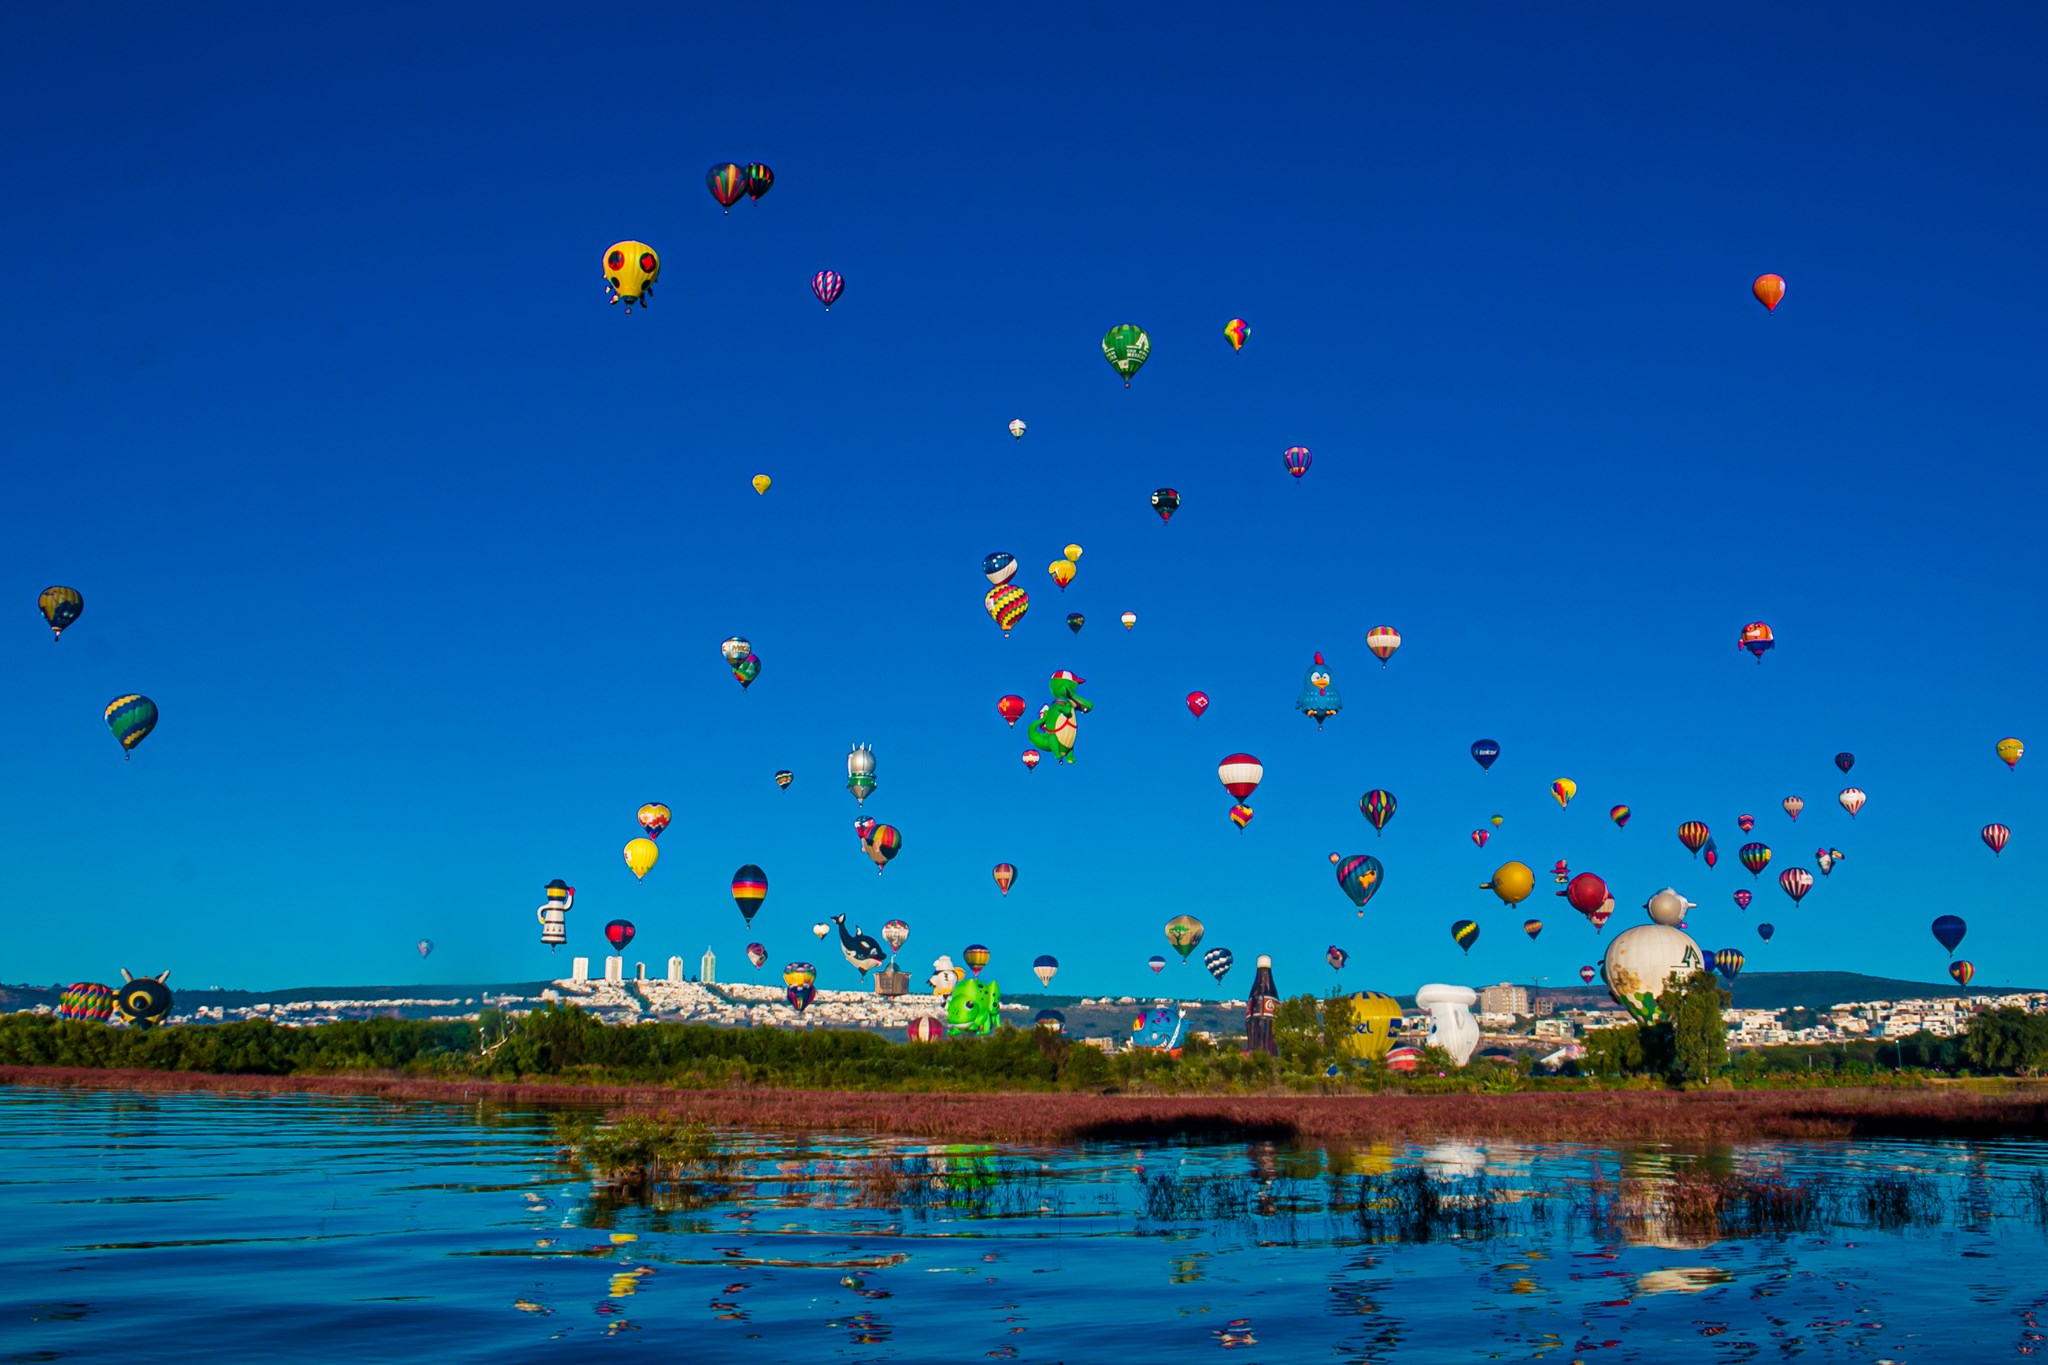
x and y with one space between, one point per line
143 1001
630 270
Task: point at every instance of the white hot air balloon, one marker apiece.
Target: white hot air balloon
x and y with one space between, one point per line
1451 1025
1017 428
1641 962
1668 907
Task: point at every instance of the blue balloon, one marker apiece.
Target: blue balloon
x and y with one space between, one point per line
1219 962
1484 751
1359 875
1949 931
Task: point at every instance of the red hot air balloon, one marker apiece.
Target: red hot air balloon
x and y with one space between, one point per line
1005 874
1240 775
828 285
1586 893
1745 823
1480 836
1586 974
1029 758
619 933
1743 898
1769 291
1796 881
1009 708
1693 835
1994 837
1198 702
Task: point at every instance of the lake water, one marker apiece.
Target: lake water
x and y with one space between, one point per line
149 1228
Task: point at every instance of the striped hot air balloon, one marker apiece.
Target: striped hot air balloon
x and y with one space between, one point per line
749 889
1532 927
1796 882
1240 815
760 180
60 607
1994 837
1756 857
1852 799
1240 775
1587 973
1383 641
1743 898
1297 460
828 285
727 181
131 718
783 778
1006 605
1693 835
1236 332
1793 805
1005 874
1964 971
975 956
1728 962
1465 933
1377 806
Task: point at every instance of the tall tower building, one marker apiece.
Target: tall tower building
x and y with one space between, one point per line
707 970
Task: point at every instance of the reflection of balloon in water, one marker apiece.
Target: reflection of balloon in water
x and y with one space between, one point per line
131 718
619 933
60 607
1743 898
749 889
1485 752
641 855
1764 932
1236 331
1995 837
2010 751
1793 805
1377 806
1949 931
1512 882
1563 790
1219 962
1845 761
1693 835
1769 291
1045 967
1852 800
1358 876
1465 933
1126 348
1165 502
783 778
1005 875
1757 639
1184 933
1619 815
1796 881
1532 927
1963 971
1383 641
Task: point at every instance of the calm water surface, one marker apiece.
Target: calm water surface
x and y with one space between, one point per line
157 1228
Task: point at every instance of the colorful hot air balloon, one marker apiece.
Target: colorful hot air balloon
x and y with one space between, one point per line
1465 933
630 270
1075 620
2010 751
654 818
1005 875
1728 962
1852 800
1845 761
760 180
1129 618
1126 348
1184 933
1240 815
1062 572
131 718
1336 957
1495 820
1029 758
1994 837
1949 931
1743 898
1359 876
999 567
1512 882
1745 823
975 956
1480 836
881 845
1532 927
1383 641
757 955
641 855
1165 502
1006 606
1377 806
1240 775
926 1028
1045 967
1757 639
895 933
1236 331
1586 893
424 946
1017 428
1219 961
1755 857
749 889
1564 789
783 777
88 1001
1796 881
1009 708
727 182
1156 963
1198 702
1764 932
1793 805
762 483
1963 971
1297 460
619 933
828 285
1485 752
1587 973
1769 290
1619 815
60 607
1073 553
1693 835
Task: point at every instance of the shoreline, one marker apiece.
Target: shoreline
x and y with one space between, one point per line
1932 1111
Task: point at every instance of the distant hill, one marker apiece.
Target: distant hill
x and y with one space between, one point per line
1818 990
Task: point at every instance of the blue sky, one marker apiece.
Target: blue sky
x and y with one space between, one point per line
426 553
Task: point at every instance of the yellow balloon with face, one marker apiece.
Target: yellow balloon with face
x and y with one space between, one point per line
630 270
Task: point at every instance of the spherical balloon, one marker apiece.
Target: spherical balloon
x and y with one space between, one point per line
1198 702
641 855
1619 815
1642 961
2010 751
1667 907
1512 882
1585 893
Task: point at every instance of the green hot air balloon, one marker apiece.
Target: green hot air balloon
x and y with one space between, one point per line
131 718
1184 932
1126 348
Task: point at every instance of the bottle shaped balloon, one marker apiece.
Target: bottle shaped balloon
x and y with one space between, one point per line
1260 1005
554 912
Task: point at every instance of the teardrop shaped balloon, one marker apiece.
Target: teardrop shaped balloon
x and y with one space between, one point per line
760 180
1075 620
1383 641
1240 775
1728 962
1845 761
762 483
1764 932
1619 815
1995 837
1010 708
1586 974
1005 875
131 718
727 182
1793 805
1219 961
895 933
1062 572
1745 823
1017 428
1029 758
1480 836
828 285
1743 898
1465 933
1563 790
1073 553
1358 876
1755 857
1129 618
749 890
783 778
1769 291
2010 751
1126 348
1296 460
1586 893
1236 331
757 955
1852 800
975 956
1006 606
1377 806
1485 752
1496 819
1156 963
1045 967
425 946
1949 931
619 933
60 607
1165 502
1693 835
1963 971
1184 934
641 855
1198 702
1240 815
1532 927
1796 882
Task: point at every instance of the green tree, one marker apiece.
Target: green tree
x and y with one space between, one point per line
1298 1029
1699 1039
1615 1051
2006 1041
1340 1014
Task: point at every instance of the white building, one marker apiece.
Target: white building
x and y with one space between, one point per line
707 970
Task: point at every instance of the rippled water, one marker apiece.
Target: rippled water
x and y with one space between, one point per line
149 1228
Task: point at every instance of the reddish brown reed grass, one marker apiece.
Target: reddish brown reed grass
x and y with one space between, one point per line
1577 1116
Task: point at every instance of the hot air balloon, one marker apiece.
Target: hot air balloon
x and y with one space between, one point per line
1129 618
2011 751
1711 854
881 845
1994 837
1852 800
1479 837
1165 502
1641 961
654 818
1949 931
1796 881
1755 857
734 650
1485 752
1184 933
749 889
1006 606
1009 708
641 855
1219 962
860 772
1336 957
1240 815
1235 332
1198 702
1017 427
895 933
60 607
1963 971
1005 874
1585 893
1465 933
1075 620
1045 967
1073 553
1793 805
131 718
1619 815
1029 758
1757 639
828 285
425 946
1383 641
1297 460
928 1028
619 933
1359 876
1495 820
1126 348
1828 857
1743 898
1693 835
1062 572
1532 927
1564 789
783 777
144 1001
760 180
1667 907
1728 962
1745 823
630 270
1319 699
1845 761
757 955
1587 973
999 567
88 1001
1240 775
1377 806
799 985
1512 882
1769 290
1764 932
1050 1019
727 182
1156 963
762 483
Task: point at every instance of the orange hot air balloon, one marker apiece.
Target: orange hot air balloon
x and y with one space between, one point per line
1693 835
1769 290
1010 708
1005 873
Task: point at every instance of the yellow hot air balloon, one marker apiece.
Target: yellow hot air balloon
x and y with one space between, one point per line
1130 618
1564 789
2010 750
762 483
641 855
1374 1017
1512 882
1073 552
1062 571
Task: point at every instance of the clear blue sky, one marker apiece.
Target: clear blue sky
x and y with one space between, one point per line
426 553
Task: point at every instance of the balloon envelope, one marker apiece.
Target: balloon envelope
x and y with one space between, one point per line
1949 931
1485 752
641 855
